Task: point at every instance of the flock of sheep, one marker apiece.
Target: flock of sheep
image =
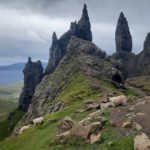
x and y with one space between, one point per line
37 121
115 101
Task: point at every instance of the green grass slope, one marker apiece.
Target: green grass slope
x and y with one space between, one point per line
44 136
5 108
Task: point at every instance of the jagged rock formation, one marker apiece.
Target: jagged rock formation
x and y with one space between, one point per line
124 59
126 63
55 55
33 73
143 59
82 57
123 37
82 30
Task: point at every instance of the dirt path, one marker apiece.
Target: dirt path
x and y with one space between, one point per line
139 113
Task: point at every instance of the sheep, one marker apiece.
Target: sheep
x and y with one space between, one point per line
38 121
24 128
119 100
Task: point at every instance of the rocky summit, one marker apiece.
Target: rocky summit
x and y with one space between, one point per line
82 30
33 73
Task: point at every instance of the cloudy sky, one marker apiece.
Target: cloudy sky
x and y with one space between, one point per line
26 25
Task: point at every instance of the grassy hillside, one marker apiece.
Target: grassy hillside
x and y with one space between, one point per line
44 136
5 108
9 95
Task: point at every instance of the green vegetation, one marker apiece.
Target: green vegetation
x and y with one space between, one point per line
7 126
44 136
5 108
112 140
142 83
78 89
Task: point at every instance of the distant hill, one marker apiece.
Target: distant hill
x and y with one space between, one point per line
17 66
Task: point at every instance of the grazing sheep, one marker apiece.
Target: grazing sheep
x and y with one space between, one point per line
119 100
24 128
38 121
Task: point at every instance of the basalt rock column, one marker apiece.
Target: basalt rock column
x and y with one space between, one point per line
122 36
84 26
33 73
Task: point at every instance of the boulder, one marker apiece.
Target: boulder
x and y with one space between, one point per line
90 101
105 105
80 131
93 106
94 138
141 142
66 124
127 124
96 114
85 121
137 126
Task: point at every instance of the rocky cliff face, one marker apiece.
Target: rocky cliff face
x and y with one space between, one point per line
82 30
143 59
123 37
33 73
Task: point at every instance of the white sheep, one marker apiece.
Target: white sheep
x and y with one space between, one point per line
119 100
38 121
24 128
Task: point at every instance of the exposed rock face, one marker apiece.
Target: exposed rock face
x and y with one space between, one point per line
55 55
33 73
143 59
123 37
82 56
126 63
82 30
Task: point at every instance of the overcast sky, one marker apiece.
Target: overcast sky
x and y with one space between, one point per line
26 25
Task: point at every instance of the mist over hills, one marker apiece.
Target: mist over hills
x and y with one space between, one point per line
17 66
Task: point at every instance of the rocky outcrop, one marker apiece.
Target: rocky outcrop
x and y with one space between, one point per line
143 61
82 56
82 30
126 63
123 37
33 73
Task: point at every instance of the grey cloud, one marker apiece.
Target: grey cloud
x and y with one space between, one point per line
26 25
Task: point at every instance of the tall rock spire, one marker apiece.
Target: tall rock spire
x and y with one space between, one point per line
84 26
54 37
55 55
123 37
